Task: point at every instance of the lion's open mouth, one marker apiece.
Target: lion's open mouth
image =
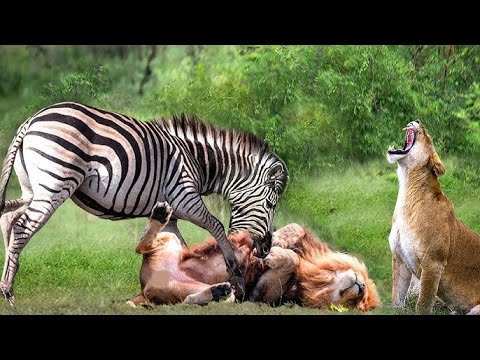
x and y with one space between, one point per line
407 146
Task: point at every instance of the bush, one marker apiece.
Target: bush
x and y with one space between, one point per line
317 106
83 86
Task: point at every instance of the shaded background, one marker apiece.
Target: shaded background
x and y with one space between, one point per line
316 105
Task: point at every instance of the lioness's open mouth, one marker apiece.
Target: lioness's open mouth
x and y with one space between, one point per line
410 138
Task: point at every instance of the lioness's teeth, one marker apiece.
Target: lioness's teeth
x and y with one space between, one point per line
391 148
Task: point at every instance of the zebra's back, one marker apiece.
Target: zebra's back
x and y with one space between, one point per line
117 161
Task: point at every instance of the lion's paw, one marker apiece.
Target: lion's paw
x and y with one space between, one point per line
131 304
162 212
222 291
280 257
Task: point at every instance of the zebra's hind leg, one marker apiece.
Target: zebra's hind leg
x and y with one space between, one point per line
13 210
27 224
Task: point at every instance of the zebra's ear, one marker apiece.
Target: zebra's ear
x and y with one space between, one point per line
275 173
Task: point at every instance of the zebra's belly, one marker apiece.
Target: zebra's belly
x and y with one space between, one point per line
114 202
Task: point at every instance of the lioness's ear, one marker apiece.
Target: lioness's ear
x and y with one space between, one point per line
436 165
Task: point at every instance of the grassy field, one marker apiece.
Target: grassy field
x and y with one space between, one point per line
79 264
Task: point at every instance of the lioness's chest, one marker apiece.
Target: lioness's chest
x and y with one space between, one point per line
404 244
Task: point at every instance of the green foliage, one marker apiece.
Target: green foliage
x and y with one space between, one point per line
12 71
472 103
339 308
367 90
471 111
88 85
318 106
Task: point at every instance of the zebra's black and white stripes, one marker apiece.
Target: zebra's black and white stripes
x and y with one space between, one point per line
116 167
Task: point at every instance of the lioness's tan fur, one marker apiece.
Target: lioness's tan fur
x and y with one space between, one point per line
426 239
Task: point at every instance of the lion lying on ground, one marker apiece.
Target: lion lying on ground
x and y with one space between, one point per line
426 238
299 268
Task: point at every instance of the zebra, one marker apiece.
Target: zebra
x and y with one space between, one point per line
116 167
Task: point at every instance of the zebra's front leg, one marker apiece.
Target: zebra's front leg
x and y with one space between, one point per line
199 215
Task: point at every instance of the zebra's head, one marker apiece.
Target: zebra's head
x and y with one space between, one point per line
253 206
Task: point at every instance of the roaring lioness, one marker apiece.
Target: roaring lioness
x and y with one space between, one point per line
426 238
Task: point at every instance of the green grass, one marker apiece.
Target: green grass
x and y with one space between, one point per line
79 264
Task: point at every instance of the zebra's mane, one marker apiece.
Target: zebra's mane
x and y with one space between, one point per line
185 126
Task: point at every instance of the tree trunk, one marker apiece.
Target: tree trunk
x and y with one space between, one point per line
148 70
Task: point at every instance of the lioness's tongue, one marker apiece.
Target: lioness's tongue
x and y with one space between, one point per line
409 140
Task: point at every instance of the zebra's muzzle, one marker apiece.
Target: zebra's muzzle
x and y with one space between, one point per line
262 246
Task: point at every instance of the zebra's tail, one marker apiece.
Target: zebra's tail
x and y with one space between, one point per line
10 160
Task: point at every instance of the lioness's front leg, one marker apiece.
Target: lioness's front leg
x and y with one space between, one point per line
401 281
429 281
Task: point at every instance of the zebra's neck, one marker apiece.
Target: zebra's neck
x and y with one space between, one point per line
227 159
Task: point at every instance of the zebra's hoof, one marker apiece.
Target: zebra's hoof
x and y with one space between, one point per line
239 285
147 306
8 295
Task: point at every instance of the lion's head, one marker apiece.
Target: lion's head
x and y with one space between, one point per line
326 277
418 150
337 279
